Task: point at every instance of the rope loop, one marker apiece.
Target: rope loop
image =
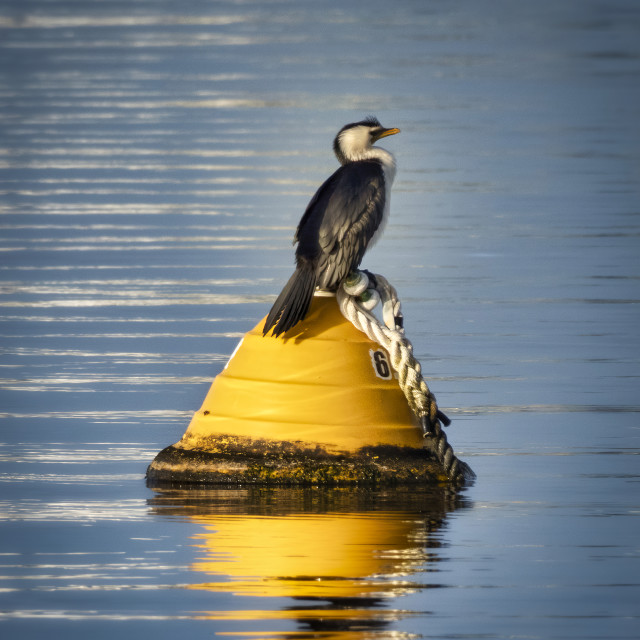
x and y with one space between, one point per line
354 301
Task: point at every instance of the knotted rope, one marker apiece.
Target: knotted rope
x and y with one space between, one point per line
358 295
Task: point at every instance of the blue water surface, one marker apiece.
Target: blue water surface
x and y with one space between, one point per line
155 158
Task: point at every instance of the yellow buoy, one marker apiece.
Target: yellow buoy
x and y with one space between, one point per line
319 405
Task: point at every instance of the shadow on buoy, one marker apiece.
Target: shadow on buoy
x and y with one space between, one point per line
316 406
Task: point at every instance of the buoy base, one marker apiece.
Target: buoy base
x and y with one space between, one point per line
237 460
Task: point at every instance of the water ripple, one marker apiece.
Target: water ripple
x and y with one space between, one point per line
88 511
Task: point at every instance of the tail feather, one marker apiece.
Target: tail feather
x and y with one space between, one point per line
292 304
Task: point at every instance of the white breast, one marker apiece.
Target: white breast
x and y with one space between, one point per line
388 162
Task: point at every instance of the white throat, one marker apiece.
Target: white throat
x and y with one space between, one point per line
354 146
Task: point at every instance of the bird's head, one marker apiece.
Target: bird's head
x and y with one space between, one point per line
356 139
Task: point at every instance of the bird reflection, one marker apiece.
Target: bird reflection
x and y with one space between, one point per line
340 556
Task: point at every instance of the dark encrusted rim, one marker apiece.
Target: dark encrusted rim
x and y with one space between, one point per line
231 460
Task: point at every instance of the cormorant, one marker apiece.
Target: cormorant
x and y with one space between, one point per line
342 219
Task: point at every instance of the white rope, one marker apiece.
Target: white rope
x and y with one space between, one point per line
356 298
390 336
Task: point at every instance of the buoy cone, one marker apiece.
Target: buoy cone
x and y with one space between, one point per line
318 405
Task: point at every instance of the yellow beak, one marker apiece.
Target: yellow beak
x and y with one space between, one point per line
387 132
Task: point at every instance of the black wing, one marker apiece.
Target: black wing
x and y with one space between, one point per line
340 221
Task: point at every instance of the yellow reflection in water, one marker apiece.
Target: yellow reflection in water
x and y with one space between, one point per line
347 553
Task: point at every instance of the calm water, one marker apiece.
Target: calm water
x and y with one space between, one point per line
155 158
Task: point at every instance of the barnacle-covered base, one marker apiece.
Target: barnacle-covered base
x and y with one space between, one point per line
233 460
